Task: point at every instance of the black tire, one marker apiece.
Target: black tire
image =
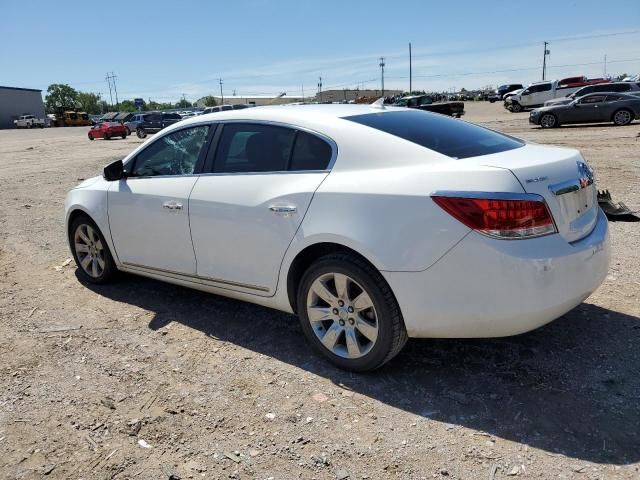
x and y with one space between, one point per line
124 135
492 100
622 117
107 136
391 335
548 120
110 270
141 133
516 107
90 137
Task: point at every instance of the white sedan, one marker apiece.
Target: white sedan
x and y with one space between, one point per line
372 224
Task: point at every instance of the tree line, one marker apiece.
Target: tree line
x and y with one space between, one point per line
61 95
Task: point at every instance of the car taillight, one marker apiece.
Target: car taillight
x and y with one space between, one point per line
500 217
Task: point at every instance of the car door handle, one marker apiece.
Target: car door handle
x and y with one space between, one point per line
172 205
283 210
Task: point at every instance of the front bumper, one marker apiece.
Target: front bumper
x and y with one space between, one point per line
485 287
533 117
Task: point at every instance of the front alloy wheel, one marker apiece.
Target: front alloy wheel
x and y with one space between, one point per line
349 314
90 251
548 121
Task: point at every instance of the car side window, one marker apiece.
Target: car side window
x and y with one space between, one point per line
310 153
614 98
593 99
246 147
620 88
173 154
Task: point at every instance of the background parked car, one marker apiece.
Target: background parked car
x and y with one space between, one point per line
502 90
617 87
29 121
107 130
619 108
154 122
132 123
425 102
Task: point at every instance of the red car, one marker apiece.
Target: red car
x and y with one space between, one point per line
107 130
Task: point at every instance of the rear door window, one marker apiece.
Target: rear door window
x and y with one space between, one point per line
442 134
310 153
247 147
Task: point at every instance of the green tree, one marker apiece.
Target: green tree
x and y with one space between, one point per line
159 106
60 95
183 103
128 106
89 102
208 101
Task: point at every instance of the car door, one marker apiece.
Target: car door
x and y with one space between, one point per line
246 212
590 108
148 209
539 94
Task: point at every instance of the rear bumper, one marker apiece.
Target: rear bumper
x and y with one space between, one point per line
492 288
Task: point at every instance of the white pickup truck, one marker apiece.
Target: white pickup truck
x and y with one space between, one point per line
539 92
29 121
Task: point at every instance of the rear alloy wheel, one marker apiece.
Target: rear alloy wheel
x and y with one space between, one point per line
124 135
349 314
107 136
622 117
516 107
141 133
548 120
90 251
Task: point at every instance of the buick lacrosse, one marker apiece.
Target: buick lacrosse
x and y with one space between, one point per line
372 224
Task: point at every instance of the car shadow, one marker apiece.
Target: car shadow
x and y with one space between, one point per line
571 387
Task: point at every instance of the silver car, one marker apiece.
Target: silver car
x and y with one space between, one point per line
133 122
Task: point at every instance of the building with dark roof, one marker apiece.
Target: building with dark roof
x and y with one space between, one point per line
19 101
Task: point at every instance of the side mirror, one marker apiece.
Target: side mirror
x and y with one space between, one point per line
114 171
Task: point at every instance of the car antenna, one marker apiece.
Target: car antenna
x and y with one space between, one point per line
378 103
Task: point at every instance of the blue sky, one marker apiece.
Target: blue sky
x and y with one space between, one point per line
162 49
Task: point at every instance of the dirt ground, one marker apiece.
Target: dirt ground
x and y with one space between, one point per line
141 379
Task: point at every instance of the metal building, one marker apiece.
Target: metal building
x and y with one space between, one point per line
19 101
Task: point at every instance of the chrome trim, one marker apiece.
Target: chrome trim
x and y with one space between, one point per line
195 278
283 210
567 186
489 195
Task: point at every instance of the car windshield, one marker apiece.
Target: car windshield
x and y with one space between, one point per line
448 136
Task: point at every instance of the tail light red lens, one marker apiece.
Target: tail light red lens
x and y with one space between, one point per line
500 217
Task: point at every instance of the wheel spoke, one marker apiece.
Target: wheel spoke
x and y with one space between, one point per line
321 291
353 347
362 302
366 329
341 285
99 244
330 338
94 267
83 235
92 234
85 263
82 248
101 263
319 314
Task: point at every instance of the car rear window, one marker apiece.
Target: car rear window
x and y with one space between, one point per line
445 135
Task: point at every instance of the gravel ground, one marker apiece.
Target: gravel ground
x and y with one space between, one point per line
146 380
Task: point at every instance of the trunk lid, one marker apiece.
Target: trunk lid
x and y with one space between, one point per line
562 177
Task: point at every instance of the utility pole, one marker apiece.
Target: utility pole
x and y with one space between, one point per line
410 73
320 88
113 77
108 79
382 74
544 60
302 92
221 94
605 64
